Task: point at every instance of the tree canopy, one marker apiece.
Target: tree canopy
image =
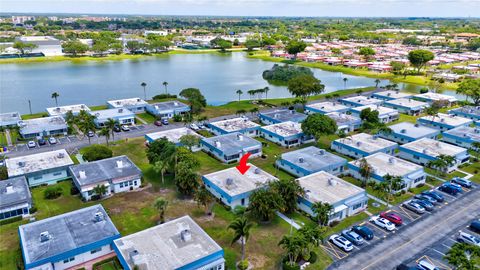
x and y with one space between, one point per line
295 46
285 73
96 152
471 89
318 124
419 58
195 98
304 86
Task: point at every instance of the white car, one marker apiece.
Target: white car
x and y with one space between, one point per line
341 242
467 238
31 144
52 140
382 223
194 127
426 265
125 128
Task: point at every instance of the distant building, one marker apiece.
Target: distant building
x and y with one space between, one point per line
391 94
444 121
384 164
326 107
135 105
425 150
431 97
345 198
345 122
174 135
42 168
362 145
177 244
117 174
121 116
240 124
68 240
22 19
279 116
358 101
167 109
233 188
15 198
406 132
287 134
471 112
10 119
43 127
47 45
62 110
310 160
231 147
462 136
385 114
407 106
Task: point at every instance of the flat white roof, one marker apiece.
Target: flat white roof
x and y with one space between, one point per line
380 109
119 103
68 108
235 124
173 135
232 182
407 102
383 164
448 119
285 129
9 117
394 94
436 96
325 187
343 118
472 133
167 246
366 142
413 130
433 147
38 125
363 100
37 162
112 113
328 106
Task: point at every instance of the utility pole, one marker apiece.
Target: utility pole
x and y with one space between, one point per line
30 106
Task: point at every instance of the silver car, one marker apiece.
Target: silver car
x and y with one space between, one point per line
414 207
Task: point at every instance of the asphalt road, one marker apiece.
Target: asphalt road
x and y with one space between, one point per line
414 238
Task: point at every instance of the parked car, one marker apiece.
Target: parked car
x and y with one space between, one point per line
404 266
341 242
158 123
382 223
117 128
364 232
467 238
353 237
164 121
457 186
437 196
392 217
125 128
90 133
475 226
425 204
42 141
462 182
449 189
31 144
426 265
194 127
414 207
52 140
426 198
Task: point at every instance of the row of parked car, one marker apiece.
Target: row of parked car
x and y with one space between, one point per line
41 141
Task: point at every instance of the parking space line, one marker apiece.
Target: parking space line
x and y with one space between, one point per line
446 246
443 254
407 214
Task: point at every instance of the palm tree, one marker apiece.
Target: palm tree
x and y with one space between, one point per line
254 110
161 167
241 229
55 96
265 90
322 212
161 205
105 131
165 84
239 93
204 197
100 190
365 171
442 162
144 85
377 82
293 245
345 83
394 86
251 93
110 124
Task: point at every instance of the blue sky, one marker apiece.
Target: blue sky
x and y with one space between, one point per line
344 8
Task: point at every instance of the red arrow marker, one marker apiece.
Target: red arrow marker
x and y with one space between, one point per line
242 166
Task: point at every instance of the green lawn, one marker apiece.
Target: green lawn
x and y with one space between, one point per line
397 198
98 107
146 117
473 168
446 176
433 181
375 210
35 115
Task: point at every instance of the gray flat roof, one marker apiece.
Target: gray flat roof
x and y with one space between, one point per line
90 174
232 182
163 248
234 124
343 118
366 142
412 130
232 143
9 117
168 105
383 164
285 115
472 133
325 187
394 94
173 135
448 119
328 106
76 108
37 162
407 103
285 129
380 109
65 232
119 103
14 191
112 113
312 158
38 125
433 148
436 96
474 110
363 100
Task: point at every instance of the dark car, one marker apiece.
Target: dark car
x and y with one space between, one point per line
426 198
363 231
475 226
42 141
437 196
406 267
353 237
117 128
449 189
425 204
462 182
392 217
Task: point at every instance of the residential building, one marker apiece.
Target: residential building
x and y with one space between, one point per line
431 97
326 107
279 116
10 119
391 94
167 109
48 46
425 150
117 174
231 147
407 105
470 112
68 240
385 114
346 199
444 121
286 134
62 110
174 135
345 122
41 169
383 164
310 160
176 244
363 144
462 136
22 19
233 188
43 127
406 132
15 197
358 101
240 124
135 105
121 116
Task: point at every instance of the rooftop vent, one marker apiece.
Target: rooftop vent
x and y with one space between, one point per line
186 235
82 174
276 115
332 182
120 110
132 254
21 164
138 100
45 236
60 155
257 171
218 144
240 137
437 144
417 125
359 143
403 131
424 151
57 109
9 188
391 160
175 103
229 181
120 164
118 102
301 160
98 217
321 152
82 106
97 115
389 94
442 120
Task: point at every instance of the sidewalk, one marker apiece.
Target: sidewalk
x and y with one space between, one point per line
289 220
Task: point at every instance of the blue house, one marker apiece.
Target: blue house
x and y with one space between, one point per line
444 121
174 136
176 244
286 134
406 132
326 107
43 127
310 160
462 136
15 198
239 124
362 145
231 147
431 97
135 105
358 101
391 95
121 116
385 114
345 122
167 109
67 240
279 116
407 105
470 112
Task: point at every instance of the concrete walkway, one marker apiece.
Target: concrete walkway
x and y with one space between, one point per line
141 120
8 137
468 174
289 220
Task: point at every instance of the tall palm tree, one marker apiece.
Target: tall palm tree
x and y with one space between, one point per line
442 162
144 85
161 167
241 229
165 84
377 82
365 171
239 93
322 211
105 131
251 93
161 205
293 245
55 96
110 124
265 90
345 83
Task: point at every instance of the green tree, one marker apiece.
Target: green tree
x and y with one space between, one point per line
162 150
161 205
3 173
264 203
195 98
322 212
24 47
252 44
370 118
204 198
74 47
293 245
345 82
365 171
165 84
189 141
304 86
463 256
241 231
86 123
110 124
470 88
377 81
55 96
239 93
144 85
289 190
442 162
419 58
186 178
318 125
134 46
161 166
366 52
221 43
96 152
295 46
100 46
105 131
100 190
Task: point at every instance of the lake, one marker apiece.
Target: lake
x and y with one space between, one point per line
95 82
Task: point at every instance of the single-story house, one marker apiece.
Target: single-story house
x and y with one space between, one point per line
406 132
462 136
358 101
326 107
15 197
279 116
47 45
407 105
431 97
470 112
385 114
174 135
231 147
167 109
135 105
362 145
391 94
345 122
444 121
240 124
43 127
121 116
62 110
10 119
286 134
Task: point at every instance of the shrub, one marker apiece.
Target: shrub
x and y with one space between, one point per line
74 190
10 220
334 223
3 173
424 90
95 197
287 266
164 96
177 118
285 73
242 265
33 210
313 257
53 192
96 152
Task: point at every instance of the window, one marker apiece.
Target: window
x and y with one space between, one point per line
57 173
121 185
96 250
69 260
37 177
356 206
135 182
